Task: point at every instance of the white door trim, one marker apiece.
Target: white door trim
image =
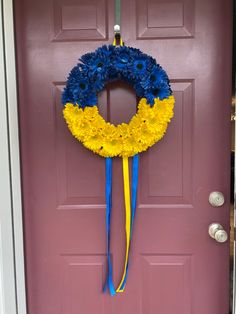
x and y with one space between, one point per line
12 280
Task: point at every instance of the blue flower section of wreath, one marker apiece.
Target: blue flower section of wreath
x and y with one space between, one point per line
109 63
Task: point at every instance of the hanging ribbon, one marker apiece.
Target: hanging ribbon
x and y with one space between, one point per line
109 282
129 218
135 167
118 41
129 211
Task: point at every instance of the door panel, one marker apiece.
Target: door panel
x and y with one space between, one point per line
176 268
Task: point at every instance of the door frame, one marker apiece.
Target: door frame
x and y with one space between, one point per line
12 274
12 270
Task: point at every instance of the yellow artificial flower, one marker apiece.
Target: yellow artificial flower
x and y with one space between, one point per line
145 128
112 147
123 130
94 143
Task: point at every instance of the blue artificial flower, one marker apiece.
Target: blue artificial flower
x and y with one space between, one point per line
139 67
138 89
122 60
67 96
94 63
90 100
153 78
86 58
72 87
79 89
97 83
106 51
135 53
98 65
110 63
162 91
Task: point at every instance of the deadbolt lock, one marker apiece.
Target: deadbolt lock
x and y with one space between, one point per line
216 199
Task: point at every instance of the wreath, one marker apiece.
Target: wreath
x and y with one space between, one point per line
146 127
89 77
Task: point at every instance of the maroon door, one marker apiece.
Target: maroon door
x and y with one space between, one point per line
176 268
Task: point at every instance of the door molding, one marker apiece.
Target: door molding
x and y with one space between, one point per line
12 278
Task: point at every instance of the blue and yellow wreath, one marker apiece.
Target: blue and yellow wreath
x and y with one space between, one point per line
88 78
146 127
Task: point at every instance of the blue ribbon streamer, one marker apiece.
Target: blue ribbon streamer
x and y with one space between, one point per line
109 282
135 167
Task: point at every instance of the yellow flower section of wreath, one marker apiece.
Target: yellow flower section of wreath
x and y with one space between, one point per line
145 128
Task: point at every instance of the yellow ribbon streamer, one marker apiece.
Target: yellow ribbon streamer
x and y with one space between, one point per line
127 217
115 43
121 42
127 205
